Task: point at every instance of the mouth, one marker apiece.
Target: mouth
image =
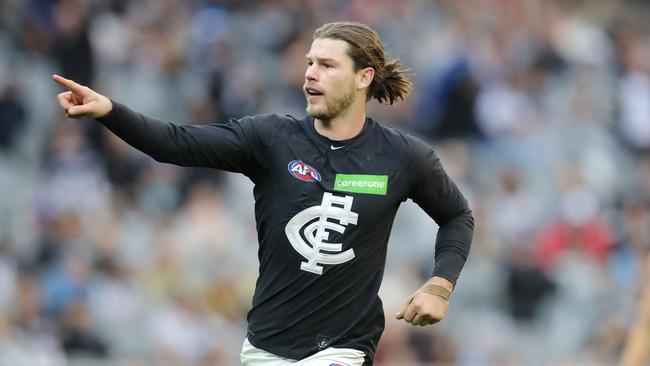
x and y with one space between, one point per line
312 92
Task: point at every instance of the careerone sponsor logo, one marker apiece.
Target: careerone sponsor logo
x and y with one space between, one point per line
362 183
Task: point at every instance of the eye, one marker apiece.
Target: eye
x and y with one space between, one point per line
309 63
327 66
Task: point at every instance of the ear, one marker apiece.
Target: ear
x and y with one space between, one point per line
364 77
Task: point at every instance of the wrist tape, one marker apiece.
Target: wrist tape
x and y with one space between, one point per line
435 290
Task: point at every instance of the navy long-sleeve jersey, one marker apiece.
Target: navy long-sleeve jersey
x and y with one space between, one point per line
324 211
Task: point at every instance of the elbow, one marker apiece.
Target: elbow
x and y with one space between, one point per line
468 219
162 158
169 156
458 232
462 219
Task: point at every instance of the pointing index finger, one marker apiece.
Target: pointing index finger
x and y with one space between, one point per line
71 85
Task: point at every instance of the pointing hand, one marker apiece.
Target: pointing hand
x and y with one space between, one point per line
81 101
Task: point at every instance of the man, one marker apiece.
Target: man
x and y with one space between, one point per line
327 189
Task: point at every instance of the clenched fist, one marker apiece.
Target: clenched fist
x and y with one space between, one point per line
81 101
429 304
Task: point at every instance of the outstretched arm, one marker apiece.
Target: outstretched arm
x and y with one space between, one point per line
222 146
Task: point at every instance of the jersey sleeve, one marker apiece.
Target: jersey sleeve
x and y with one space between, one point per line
233 146
440 198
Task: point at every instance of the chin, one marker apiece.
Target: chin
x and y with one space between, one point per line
315 112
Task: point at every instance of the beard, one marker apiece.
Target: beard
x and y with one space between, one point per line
333 107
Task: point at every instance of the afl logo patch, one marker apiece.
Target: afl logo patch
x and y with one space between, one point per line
303 171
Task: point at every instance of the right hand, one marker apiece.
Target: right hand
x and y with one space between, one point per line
81 101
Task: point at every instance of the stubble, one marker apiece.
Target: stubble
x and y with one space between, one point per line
334 106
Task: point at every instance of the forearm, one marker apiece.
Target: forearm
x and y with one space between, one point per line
453 244
149 135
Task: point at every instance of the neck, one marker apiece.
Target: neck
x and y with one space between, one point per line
345 126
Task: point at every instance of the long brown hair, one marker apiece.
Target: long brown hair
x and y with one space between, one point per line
366 49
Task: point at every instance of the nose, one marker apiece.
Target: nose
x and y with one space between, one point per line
311 73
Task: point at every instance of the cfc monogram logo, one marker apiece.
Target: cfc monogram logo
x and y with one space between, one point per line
314 224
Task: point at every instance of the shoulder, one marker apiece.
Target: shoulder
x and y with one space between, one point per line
265 125
271 121
259 120
401 143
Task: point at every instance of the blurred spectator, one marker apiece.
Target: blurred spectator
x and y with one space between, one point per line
180 334
527 286
78 337
634 91
448 104
514 228
72 177
507 108
115 306
72 48
13 116
431 347
581 227
63 233
25 337
65 283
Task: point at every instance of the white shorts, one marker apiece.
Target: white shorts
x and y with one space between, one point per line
253 356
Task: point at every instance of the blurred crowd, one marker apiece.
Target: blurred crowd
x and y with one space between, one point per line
539 110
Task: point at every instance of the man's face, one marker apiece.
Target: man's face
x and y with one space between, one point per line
329 79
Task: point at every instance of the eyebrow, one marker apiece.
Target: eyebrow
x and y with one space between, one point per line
321 59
